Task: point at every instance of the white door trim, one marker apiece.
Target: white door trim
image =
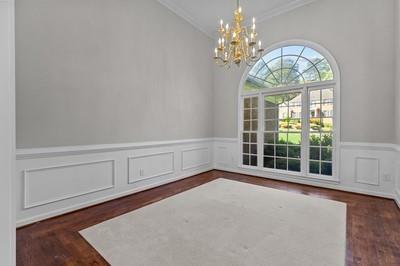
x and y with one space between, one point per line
7 133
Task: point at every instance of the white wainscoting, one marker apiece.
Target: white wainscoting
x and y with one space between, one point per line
54 181
364 167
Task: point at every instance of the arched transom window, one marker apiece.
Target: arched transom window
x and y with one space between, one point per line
289 65
288 107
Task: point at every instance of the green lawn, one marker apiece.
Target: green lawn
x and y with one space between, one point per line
293 138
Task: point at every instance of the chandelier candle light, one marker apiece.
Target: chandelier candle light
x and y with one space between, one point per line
237 44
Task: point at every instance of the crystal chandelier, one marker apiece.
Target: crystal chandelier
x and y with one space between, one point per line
237 44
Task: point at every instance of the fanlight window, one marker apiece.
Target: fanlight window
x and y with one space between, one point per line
290 65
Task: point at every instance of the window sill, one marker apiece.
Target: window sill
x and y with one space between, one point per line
318 178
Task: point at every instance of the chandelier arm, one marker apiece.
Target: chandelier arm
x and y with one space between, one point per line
221 62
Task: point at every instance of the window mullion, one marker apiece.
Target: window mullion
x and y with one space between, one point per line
260 135
304 131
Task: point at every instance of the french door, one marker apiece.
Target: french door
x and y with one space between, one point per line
290 131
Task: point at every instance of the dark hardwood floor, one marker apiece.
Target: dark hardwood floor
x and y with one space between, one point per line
373 224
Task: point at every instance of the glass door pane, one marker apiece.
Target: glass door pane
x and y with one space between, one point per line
249 131
320 131
282 131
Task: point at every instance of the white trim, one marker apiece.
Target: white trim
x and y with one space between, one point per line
152 176
227 140
78 150
28 205
369 145
23 222
7 127
289 88
291 174
282 10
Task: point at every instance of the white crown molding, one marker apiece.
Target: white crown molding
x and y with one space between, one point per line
260 17
283 9
185 15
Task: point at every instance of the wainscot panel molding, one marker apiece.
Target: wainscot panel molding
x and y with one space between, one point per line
150 166
377 181
367 171
54 181
68 181
195 157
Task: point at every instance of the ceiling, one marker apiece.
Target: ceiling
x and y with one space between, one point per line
206 14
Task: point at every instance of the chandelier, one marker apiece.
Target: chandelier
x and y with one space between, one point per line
237 44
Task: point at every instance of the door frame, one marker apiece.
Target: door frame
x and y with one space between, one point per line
7 132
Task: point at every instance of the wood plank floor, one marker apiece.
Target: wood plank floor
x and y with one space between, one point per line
373 224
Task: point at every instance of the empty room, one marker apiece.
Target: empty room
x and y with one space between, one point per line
204 133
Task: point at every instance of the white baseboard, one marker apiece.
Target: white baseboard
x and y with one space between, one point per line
397 197
304 181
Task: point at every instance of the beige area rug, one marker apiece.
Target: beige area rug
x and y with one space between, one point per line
223 223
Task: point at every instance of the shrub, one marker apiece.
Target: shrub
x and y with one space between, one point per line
285 126
316 121
314 140
326 140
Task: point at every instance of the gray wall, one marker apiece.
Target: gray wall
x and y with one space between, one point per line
359 34
100 71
